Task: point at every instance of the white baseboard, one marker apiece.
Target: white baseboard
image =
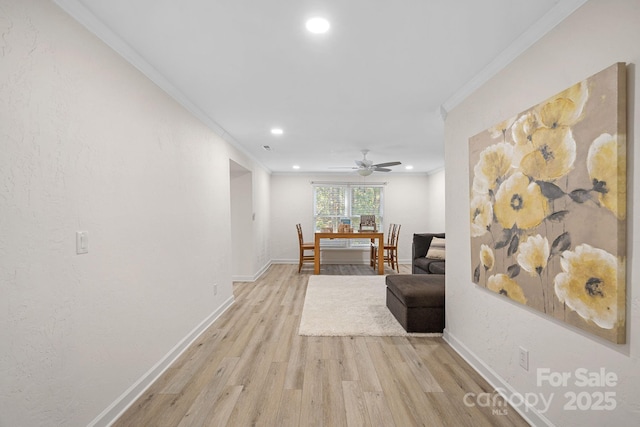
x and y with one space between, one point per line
531 415
243 278
255 277
128 398
284 261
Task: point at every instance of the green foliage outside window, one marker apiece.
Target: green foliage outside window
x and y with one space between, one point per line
334 203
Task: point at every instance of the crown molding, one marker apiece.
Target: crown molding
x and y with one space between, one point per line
534 33
86 18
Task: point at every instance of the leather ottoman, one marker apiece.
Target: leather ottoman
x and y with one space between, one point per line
417 301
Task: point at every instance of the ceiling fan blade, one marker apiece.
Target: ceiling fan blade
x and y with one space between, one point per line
378 169
384 165
361 164
342 167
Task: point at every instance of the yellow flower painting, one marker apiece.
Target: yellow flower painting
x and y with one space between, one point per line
566 108
520 203
588 284
492 168
548 205
533 254
607 164
487 258
481 215
552 152
504 285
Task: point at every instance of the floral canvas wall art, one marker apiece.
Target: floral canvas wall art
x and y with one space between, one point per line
548 205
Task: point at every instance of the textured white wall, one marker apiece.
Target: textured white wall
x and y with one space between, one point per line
488 328
241 224
262 222
408 201
88 143
437 192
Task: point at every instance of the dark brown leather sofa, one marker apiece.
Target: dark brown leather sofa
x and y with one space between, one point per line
418 300
420 264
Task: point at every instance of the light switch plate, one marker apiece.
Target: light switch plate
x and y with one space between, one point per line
523 356
82 242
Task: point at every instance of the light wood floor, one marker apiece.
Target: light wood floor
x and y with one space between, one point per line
251 368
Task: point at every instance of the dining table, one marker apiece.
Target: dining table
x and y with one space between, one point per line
372 235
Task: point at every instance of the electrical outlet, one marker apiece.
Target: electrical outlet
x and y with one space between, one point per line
215 289
524 358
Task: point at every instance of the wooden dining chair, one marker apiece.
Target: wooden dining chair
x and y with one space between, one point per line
390 249
373 256
304 246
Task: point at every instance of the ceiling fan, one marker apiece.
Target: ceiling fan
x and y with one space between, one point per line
365 167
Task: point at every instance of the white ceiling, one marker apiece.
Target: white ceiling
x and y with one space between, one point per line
381 79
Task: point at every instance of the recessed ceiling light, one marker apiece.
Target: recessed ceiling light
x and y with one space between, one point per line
296 167
318 25
277 131
408 167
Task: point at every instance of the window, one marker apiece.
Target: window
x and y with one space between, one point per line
336 203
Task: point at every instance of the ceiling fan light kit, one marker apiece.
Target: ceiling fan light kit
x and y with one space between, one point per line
366 166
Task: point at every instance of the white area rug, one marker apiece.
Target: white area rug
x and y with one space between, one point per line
349 306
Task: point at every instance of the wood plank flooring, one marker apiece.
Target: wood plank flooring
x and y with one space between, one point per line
251 368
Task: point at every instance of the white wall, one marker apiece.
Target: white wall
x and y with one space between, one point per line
89 143
241 221
261 257
488 329
408 200
436 190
